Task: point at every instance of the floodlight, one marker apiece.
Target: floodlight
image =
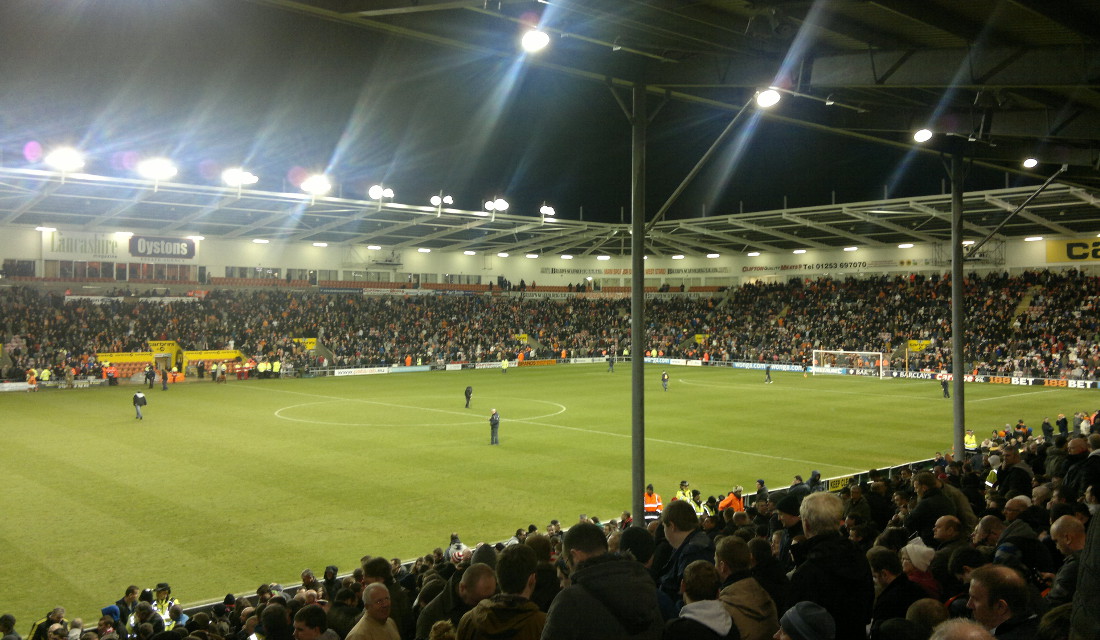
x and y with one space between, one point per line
502 254
498 204
566 256
124 234
373 247
713 255
238 177
156 169
905 245
922 135
753 254
65 159
441 200
534 40
851 248
1033 238
469 253
377 192
532 255
260 241
1030 163
547 210
45 229
678 256
316 185
603 257
967 243
767 98
196 238
799 251
424 250
320 244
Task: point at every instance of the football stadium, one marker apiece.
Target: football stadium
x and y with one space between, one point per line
355 319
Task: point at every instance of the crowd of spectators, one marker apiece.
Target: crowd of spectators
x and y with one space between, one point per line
1001 544
1057 335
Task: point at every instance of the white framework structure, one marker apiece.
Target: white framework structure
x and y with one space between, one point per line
870 363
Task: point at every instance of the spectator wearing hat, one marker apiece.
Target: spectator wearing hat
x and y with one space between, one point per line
830 570
787 512
807 621
702 617
466 588
162 604
733 500
916 558
651 502
331 582
744 599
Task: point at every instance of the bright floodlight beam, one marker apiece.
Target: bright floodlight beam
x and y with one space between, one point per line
65 159
377 192
157 169
498 204
238 177
316 185
1031 163
767 98
534 40
922 135
547 210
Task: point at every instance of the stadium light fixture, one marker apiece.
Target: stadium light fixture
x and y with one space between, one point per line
373 247
566 256
502 254
196 238
157 170
799 251
45 229
238 178
377 192
260 241
547 211
65 160
851 248
316 185
712 256
320 244
469 253
767 98
1031 163
496 204
603 257
424 250
532 255
678 256
753 254
438 201
905 245
1033 238
922 135
967 243
534 40
124 234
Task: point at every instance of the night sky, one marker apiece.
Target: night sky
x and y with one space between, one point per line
216 83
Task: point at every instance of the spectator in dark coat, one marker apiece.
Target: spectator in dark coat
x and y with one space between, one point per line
933 505
897 594
830 570
689 543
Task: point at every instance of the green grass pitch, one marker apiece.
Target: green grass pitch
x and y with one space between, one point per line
223 487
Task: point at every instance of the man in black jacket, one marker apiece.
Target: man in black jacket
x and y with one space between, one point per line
932 506
830 570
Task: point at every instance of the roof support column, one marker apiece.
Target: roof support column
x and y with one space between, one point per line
958 310
639 120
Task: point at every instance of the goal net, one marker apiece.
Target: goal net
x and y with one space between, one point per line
853 363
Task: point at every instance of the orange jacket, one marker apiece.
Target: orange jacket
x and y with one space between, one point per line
652 502
732 502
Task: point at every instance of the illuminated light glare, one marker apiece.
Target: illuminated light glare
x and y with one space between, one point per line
547 210
320 244
799 251
678 256
645 257
905 245
502 254
424 250
316 185
124 234
1031 163
441 200
499 204
603 257
922 135
469 253
377 192
1033 238
46 229
967 243
260 241
712 256
767 98
851 248
753 254
373 247
532 255
534 40
196 238
588 278
157 169
566 256
238 177
65 159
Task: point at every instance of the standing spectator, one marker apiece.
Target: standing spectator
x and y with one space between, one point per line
689 543
311 623
376 623
744 599
932 505
830 570
761 491
609 596
40 630
509 614
897 592
652 504
1069 534
494 427
999 600
7 628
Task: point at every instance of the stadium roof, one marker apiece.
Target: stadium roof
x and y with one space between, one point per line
34 198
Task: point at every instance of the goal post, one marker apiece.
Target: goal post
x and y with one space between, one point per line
867 363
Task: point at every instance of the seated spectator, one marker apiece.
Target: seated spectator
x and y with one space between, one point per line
926 614
509 614
807 621
896 592
1069 535
311 623
960 629
702 616
999 601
